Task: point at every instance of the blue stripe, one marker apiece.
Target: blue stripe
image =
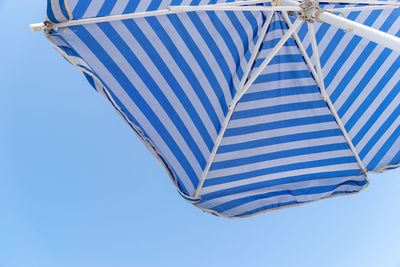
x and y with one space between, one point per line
281 181
243 37
283 75
278 155
278 140
298 90
170 79
80 9
49 13
280 59
154 5
278 169
63 9
251 113
273 42
131 6
277 23
106 8
185 68
278 125
90 80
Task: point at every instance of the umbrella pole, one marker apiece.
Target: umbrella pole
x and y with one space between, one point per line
312 12
379 37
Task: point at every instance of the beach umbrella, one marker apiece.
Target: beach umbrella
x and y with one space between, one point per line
249 105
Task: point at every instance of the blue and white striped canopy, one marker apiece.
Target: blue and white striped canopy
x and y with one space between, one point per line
174 78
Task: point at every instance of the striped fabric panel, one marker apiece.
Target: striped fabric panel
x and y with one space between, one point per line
57 11
99 8
172 77
282 146
78 61
362 79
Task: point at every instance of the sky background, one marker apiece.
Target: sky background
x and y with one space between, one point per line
77 187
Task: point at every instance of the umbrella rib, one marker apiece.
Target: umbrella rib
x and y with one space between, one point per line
303 52
231 109
240 94
326 98
268 59
43 26
256 51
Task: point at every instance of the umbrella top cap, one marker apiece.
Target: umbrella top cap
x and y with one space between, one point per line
309 9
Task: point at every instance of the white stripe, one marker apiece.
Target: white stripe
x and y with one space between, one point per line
284 174
282 100
229 140
277 163
55 6
278 147
306 81
290 115
93 9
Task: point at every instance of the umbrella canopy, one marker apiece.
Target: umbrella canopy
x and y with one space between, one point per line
250 106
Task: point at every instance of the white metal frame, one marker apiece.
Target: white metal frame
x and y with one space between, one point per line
379 37
313 12
42 26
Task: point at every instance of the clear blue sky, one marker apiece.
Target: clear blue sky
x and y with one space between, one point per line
77 188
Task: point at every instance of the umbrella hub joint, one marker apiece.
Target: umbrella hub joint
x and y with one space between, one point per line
310 11
49 26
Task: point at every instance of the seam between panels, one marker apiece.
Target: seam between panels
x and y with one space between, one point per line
300 46
245 87
139 133
328 101
232 105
